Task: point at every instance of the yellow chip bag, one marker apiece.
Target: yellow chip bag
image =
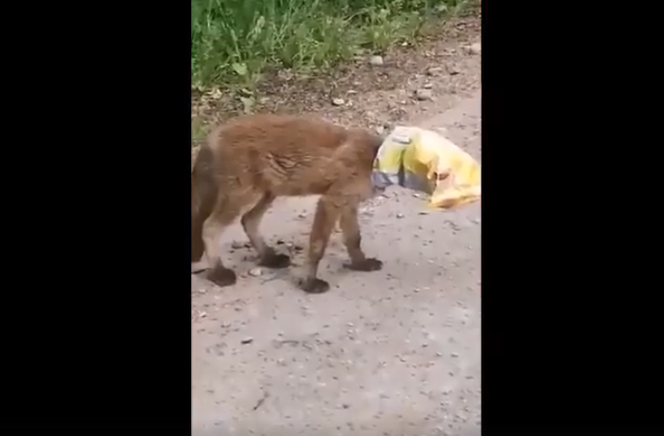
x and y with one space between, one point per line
426 161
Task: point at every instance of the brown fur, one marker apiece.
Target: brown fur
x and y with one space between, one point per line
248 162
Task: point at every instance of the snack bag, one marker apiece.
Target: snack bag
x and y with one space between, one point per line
426 161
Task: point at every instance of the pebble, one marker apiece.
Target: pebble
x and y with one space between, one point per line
246 341
338 101
424 94
376 60
400 215
475 48
434 71
255 272
237 245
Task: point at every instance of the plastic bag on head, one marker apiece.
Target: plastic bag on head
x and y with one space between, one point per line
426 161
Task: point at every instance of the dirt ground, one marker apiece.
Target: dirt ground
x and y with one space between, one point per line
393 352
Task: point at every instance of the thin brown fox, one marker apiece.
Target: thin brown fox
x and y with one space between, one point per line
250 161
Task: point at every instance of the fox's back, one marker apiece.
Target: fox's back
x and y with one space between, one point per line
288 155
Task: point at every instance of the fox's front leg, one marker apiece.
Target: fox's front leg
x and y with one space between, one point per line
350 228
327 214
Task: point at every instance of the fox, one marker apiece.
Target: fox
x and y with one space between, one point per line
249 161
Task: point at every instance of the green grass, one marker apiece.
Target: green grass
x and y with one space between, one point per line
234 41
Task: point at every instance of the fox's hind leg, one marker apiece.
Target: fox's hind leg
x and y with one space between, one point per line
250 222
204 191
224 214
197 244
